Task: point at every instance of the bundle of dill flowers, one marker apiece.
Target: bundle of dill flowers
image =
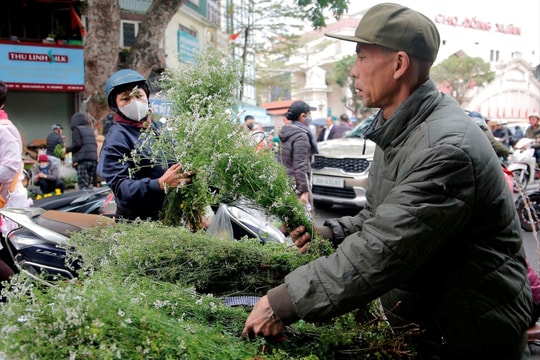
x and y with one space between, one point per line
204 135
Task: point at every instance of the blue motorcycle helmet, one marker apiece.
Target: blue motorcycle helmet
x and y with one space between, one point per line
479 119
123 80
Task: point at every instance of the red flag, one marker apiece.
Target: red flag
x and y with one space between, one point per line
76 22
235 36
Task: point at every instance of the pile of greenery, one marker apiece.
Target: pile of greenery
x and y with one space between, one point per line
154 290
149 291
204 134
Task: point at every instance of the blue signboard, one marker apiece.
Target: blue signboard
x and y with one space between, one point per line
188 45
42 67
160 106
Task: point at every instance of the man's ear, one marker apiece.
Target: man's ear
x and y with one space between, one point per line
402 61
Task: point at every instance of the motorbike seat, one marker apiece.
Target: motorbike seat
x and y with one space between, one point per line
68 222
58 201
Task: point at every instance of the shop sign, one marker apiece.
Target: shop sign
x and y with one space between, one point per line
42 67
188 45
474 23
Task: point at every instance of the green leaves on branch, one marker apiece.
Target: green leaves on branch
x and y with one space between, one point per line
460 74
315 10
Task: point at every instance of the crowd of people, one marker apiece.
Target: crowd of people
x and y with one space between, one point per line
508 134
438 241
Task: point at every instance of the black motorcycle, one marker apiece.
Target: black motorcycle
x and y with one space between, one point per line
81 201
39 243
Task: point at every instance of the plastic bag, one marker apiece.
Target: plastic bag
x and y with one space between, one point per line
220 225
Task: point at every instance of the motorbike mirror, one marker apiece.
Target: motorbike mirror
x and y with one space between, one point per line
258 137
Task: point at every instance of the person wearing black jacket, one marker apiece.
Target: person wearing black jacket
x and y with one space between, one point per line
84 149
54 139
299 146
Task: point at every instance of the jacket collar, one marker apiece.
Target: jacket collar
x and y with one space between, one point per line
407 116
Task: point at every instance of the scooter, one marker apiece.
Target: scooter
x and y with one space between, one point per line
81 201
39 244
522 163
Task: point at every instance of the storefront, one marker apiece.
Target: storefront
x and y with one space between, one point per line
45 83
42 62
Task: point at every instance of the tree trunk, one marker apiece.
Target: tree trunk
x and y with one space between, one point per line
100 52
148 52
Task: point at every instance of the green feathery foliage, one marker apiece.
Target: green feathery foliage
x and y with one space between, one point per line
149 291
205 136
176 255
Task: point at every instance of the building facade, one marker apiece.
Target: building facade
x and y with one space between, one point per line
42 62
42 55
514 93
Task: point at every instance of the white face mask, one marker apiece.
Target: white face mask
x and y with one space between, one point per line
135 110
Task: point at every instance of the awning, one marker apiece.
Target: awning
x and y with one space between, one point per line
258 113
277 107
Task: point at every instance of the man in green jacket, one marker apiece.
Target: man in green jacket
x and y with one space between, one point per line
438 240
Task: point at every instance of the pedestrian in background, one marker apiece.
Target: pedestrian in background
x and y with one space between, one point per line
55 140
298 147
502 133
533 132
501 150
518 134
328 131
342 127
438 240
46 175
83 149
249 123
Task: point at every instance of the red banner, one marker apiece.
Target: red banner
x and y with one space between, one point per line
45 87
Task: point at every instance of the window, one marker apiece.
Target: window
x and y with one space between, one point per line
129 31
494 55
188 44
213 12
187 30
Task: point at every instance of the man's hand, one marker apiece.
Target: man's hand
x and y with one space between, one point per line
301 238
304 197
262 321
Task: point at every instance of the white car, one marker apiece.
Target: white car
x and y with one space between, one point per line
340 171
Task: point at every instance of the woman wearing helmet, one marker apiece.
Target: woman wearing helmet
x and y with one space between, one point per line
139 194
